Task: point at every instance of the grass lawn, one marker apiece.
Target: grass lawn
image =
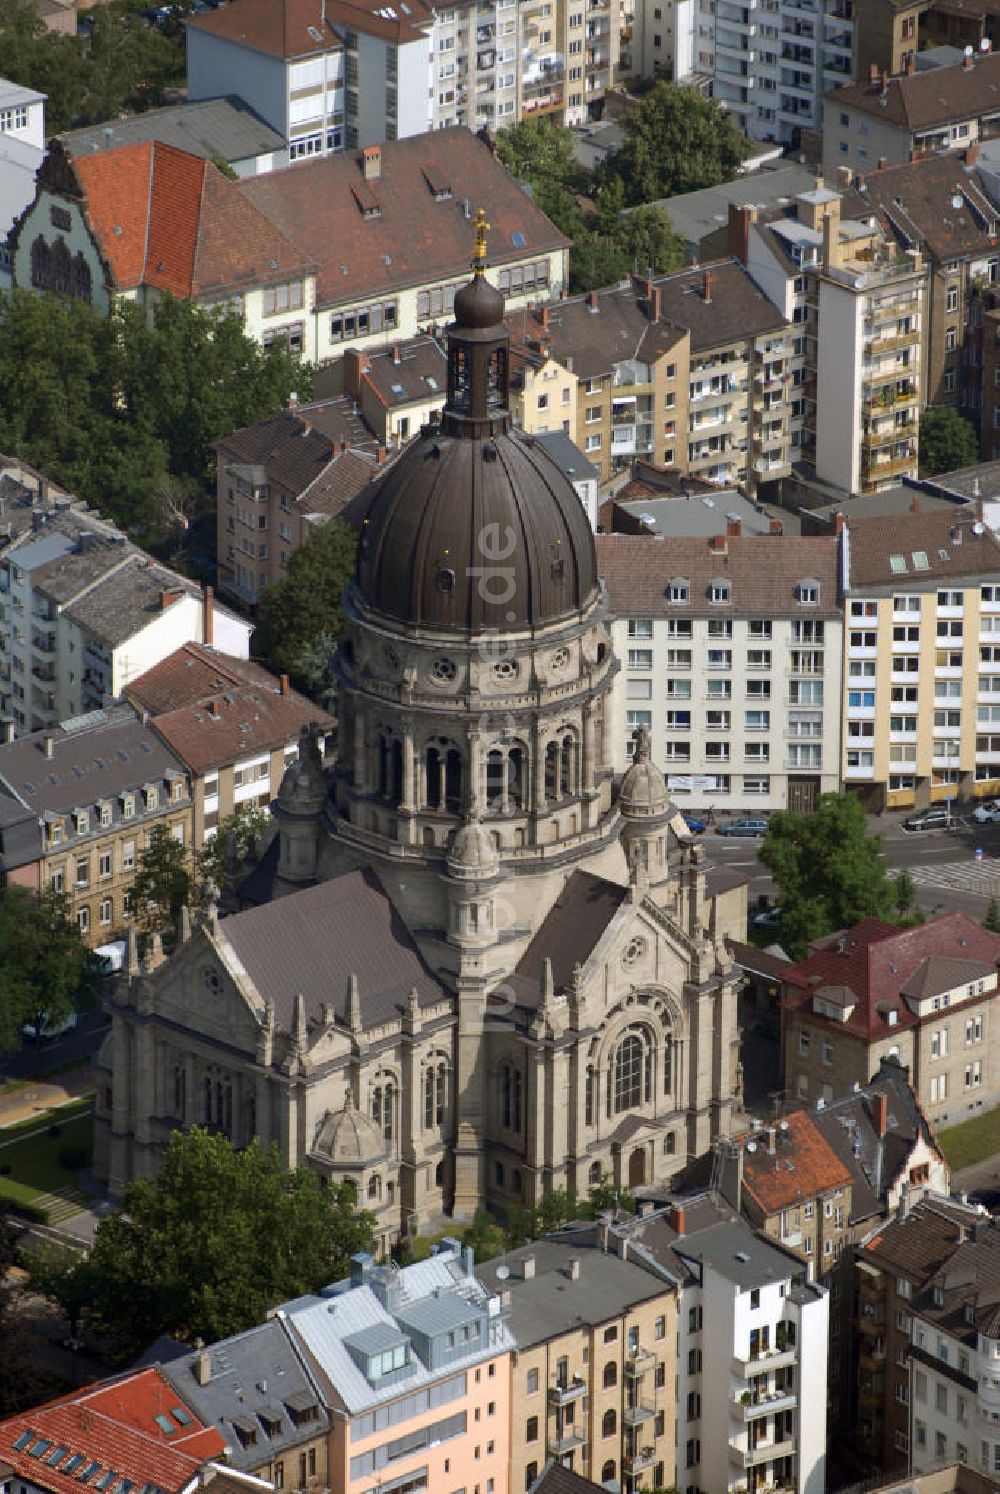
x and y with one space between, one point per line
972 1140
33 1158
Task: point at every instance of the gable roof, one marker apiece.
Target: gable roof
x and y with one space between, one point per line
569 933
417 235
923 100
763 572
915 204
311 942
877 961
279 28
192 673
236 724
802 1165
946 539
167 219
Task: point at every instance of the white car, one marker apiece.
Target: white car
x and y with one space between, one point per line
987 813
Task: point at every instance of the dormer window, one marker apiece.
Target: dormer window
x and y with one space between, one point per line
679 590
82 822
55 833
807 592
938 1293
178 789
719 590
152 797
128 807
105 816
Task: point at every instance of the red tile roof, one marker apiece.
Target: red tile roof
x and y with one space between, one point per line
113 1425
304 28
193 673
803 1165
170 220
875 960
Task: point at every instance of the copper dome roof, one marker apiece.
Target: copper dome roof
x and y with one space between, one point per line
434 546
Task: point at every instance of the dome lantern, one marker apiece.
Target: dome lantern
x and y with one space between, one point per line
478 354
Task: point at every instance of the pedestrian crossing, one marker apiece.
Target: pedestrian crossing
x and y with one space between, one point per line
980 877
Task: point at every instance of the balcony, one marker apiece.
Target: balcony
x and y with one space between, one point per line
764 1452
879 342
640 1362
574 1390
638 1462
860 771
566 1440
759 1364
44 673
764 1405
634 1416
44 643
878 471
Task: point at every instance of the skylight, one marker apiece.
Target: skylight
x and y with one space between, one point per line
56 1456
897 564
165 1425
73 1463
87 1473
517 239
41 1446
920 561
180 1416
23 1440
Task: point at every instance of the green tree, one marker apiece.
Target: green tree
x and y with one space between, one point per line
304 606
236 832
222 1235
830 872
646 236
604 1195
992 920
22 1384
163 884
905 892
43 961
675 141
947 441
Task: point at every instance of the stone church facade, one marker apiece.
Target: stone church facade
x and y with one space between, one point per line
467 970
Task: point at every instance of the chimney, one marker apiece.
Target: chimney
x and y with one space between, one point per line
968 62
168 597
573 1268
469 1260
203 1367
882 163
880 1114
972 153
717 545
208 624
734 528
396 354
592 301
911 64
48 743
292 400
838 523
772 1140
371 163
655 302
380 456
528 1268
543 317
885 82
283 685
677 1218
707 281
738 230
775 527
915 504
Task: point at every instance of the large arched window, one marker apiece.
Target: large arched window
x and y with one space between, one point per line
390 768
609 1424
384 1107
589 1101
179 1091
631 1078
510 1097
218 1092
435 1093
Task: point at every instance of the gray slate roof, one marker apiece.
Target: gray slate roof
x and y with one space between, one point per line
567 456
570 931
313 941
695 214
700 514
240 1367
225 127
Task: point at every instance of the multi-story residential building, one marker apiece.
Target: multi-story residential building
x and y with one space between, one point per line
938 206
891 120
859 306
233 725
325 256
925 995
78 805
397 389
22 150
922 657
929 1339
751 1351
892 34
662 43
416 1363
133 1422
83 611
262 1394
688 370
276 481
592 1377
731 650
772 63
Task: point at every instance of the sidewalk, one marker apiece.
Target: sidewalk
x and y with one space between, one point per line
37 1096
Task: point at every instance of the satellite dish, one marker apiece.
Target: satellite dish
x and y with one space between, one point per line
979 527
751 1146
969 51
502 1273
782 1125
956 201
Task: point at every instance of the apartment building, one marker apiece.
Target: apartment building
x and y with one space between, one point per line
397 389
772 63
263 1397
925 996
751 1351
893 119
687 370
78 805
83 611
922 621
234 727
989 423
416 1365
893 33
592 1376
930 1339
732 658
340 251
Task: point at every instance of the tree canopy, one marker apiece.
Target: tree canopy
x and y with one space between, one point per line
675 141
220 1236
163 884
22 1382
43 961
607 244
830 872
299 619
947 441
124 413
245 825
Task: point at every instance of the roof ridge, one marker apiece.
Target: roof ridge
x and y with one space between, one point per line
150 146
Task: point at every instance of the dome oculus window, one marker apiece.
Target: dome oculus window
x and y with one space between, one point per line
391 657
443 671
560 659
507 669
445 580
212 979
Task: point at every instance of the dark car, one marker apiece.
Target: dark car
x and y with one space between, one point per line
928 819
696 826
744 828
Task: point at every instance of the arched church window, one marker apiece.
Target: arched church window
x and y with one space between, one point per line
439 1175
61 268
377 1106
441 1099
428 1098
374 1188
40 264
594 1175
510 1097
668 1066
631 1073
496 380
444 777
207 1101
589 1106
384 1108
82 282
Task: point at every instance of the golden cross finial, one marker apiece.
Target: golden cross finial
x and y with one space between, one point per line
482 229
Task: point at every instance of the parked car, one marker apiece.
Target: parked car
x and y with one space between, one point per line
696 826
50 1029
928 819
767 918
987 813
745 828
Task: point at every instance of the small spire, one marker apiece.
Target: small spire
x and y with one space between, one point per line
300 1027
482 229
184 924
353 1003
548 981
132 952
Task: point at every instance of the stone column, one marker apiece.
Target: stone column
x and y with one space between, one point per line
588 748
538 759
407 799
470 1099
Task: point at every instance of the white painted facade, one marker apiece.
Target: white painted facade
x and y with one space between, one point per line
839 357
734 716
954 1399
217 66
665 42
751 1373
22 114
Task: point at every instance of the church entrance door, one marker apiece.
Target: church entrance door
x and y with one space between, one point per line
637 1168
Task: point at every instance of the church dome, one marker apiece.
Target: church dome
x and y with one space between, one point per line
348 1138
475 526
643 794
472 852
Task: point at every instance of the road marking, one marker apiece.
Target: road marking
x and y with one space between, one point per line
959 876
